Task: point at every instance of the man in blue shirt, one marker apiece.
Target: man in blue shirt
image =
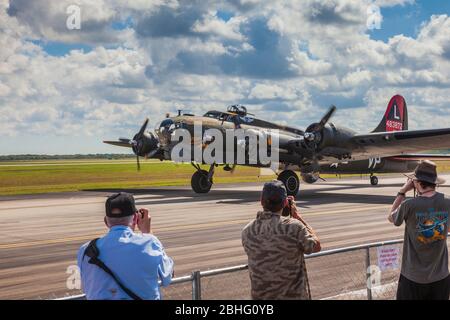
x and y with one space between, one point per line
137 260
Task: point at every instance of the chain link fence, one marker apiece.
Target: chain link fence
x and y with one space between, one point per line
351 273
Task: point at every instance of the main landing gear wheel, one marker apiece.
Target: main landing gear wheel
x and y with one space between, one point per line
374 180
200 182
290 181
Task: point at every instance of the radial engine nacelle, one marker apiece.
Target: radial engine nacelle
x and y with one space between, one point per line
310 177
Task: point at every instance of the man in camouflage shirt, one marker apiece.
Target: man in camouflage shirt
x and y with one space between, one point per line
275 246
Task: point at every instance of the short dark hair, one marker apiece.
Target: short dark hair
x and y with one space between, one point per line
272 206
426 185
273 196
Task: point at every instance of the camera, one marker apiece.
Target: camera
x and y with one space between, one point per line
288 208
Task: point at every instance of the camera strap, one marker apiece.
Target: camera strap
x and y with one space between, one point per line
92 252
308 288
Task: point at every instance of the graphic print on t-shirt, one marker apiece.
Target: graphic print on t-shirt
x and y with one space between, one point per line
431 226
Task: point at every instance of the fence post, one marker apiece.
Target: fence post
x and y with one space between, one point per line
368 284
196 286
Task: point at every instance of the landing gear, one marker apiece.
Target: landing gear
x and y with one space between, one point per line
202 181
290 181
373 180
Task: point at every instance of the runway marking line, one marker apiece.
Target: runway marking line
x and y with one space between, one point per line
147 199
177 228
138 199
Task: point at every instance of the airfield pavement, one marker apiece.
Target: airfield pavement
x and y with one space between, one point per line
40 234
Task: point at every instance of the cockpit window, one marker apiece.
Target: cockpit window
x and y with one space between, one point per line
180 125
217 115
166 126
212 114
166 123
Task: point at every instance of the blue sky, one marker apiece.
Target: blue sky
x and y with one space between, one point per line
401 19
64 91
58 49
408 18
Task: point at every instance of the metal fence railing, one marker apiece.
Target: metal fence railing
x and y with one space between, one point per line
355 275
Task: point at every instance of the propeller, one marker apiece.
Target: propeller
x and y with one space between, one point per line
143 144
313 132
137 143
138 163
326 118
308 145
124 140
142 130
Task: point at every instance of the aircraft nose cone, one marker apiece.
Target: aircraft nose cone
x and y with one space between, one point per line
136 144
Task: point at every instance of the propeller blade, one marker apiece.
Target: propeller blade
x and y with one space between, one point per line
142 130
138 163
125 140
327 117
118 143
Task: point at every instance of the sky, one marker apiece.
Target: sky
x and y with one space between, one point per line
66 87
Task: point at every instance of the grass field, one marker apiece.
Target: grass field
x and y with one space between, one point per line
31 177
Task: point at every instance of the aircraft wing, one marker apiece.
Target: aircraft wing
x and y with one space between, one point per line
424 156
119 143
399 143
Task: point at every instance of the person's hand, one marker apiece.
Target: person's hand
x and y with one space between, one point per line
296 215
144 221
408 186
294 211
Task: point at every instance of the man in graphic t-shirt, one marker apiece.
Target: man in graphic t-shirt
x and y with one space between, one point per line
424 274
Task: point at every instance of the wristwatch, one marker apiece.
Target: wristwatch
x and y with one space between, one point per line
401 194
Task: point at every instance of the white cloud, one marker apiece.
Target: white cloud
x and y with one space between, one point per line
359 77
392 3
287 60
270 91
211 24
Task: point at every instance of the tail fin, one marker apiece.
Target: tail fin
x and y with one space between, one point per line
396 116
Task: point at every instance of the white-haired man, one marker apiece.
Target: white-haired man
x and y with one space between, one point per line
124 265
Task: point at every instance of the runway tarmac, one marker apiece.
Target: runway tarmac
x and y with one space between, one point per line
40 234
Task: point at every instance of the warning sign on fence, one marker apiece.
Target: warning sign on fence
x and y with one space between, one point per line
388 257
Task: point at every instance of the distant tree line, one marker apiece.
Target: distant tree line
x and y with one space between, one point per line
107 156
445 151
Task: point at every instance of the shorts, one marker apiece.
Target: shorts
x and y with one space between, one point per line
410 290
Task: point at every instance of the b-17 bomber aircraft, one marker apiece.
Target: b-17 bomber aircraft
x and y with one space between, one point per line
323 148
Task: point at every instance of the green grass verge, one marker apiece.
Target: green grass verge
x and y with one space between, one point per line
33 179
58 176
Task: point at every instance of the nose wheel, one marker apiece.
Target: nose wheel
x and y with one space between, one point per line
290 181
373 180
